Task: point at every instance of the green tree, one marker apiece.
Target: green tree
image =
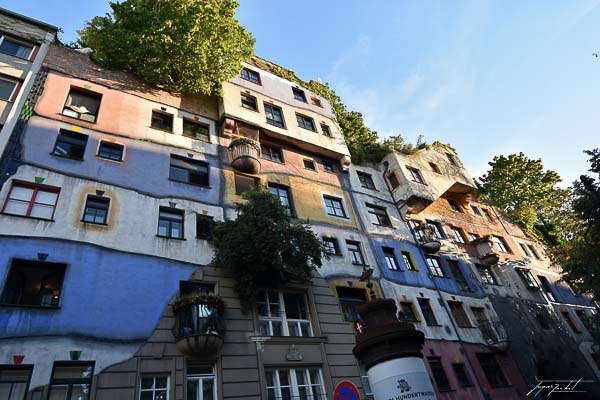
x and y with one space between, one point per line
188 46
264 248
528 195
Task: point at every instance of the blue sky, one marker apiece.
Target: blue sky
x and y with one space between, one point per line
488 77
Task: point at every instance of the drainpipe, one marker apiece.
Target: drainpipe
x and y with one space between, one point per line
386 164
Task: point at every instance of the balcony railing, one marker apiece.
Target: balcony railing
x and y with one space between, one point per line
245 153
199 326
426 236
486 252
494 334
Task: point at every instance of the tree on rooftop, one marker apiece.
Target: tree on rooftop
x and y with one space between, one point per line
188 46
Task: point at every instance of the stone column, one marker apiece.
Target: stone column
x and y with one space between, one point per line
390 350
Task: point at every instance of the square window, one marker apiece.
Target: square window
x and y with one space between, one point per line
82 105
162 121
408 261
378 215
434 266
31 200
271 153
350 298
34 283
534 252
316 102
525 250
196 130
454 206
295 383
415 175
7 89
245 183
170 223
249 102
461 375
393 179
488 215
70 144
15 48
283 193
501 244
326 130
427 312
438 230
331 246
458 234
486 275
408 311
274 115
366 180
527 278
327 166
204 226
96 210
299 94
439 375
459 314
250 75
154 387
476 210
71 380
390 258
435 168
309 164
491 369
306 122
355 252
189 171
334 206
110 151
283 314
200 382
14 381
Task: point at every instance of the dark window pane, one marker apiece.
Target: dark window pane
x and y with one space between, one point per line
33 283
244 183
6 89
189 171
195 130
162 121
274 115
96 210
70 144
249 102
16 49
110 151
309 164
83 105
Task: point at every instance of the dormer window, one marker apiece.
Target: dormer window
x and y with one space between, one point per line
250 75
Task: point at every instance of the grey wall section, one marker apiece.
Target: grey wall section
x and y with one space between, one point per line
245 355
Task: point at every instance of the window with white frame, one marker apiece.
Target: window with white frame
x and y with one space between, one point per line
283 314
434 266
154 387
201 382
295 383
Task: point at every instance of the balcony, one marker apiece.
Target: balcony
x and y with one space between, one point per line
199 326
245 153
494 335
426 236
485 250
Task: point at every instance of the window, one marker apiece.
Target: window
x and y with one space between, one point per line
459 314
366 180
204 225
170 223
393 179
567 316
390 259
415 227
196 130
454 206
31 200
7 89
271 153
461 375
408 311
438 232
427 312
316 102
476 210
299 94
415 175
355 253
327 166
82 105
459 277
96 210
306 122
501 244
189 171
434 266
486 275
331 246
458 235
274 115
473 236
71 380
33 283
378 215
200 382
435 168
488 215
244 183
534 252
525 249
70 144
154 387
547 287
349 299
326 130
295 383
408 262
283 314
250 75
249 102
15 48
283 193
452 159
527 278
491 369
111 151
14 381
334 206
439 375
162 121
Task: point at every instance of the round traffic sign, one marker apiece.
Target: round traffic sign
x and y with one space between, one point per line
346 390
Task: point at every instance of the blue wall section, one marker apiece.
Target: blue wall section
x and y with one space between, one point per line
563 294
420 277
106 294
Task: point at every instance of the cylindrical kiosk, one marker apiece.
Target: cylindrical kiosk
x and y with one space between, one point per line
390 350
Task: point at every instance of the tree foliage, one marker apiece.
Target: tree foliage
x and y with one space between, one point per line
528 195
263 247
188 46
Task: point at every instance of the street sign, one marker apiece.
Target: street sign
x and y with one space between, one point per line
346 391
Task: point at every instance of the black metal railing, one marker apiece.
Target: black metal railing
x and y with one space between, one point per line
198 319
493 332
